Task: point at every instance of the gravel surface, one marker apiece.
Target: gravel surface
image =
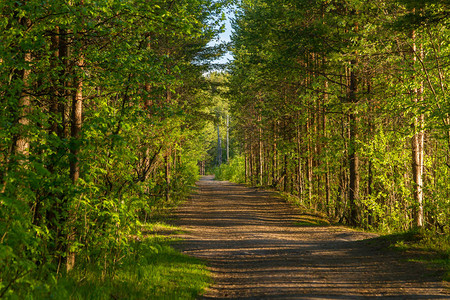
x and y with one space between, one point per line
255 250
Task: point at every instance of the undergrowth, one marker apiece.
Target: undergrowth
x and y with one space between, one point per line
423 246
150 269
233 171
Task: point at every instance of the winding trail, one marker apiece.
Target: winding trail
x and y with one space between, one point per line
254 249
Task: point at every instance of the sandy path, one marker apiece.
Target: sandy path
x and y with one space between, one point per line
255 251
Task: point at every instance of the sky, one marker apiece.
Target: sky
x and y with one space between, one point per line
225 37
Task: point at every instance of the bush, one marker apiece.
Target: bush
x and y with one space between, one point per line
233 171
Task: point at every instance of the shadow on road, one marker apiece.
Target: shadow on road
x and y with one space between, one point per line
255 250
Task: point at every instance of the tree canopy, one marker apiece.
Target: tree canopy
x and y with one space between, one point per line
101 108
344 104
109 108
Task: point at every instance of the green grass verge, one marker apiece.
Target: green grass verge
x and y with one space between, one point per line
423 246
152 269
309 217
307 220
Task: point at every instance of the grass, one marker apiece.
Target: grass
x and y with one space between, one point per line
312 220
160 228
422 246
427 247
152 269
309 217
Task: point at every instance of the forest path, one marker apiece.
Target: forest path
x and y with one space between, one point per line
255 250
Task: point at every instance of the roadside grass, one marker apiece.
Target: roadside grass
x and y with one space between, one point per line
423 246
312 220
160 228
309 217
152 269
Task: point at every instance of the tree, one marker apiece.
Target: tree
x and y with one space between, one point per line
331 89
101 106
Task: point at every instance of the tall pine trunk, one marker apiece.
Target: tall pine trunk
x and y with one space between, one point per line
77 120
353 153
22 143
417 145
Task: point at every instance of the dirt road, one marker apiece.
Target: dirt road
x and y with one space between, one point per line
255 250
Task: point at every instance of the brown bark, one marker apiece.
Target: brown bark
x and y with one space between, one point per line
324 128
299 164
251 175
148 100
77 114
260 153
353 153
354 170
286 185
64 84
309 160
167 174
246 161
54 97
22 144
275 156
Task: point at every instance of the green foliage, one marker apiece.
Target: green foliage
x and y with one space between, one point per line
423 246
328 99
149 268
76 185
389 208
216 129
233 171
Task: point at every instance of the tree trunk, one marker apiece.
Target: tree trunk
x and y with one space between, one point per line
22 144
228 138
353 153
219 147
299 162
246 162
54 101
250 166
274 157
417 145
309 161
354 170
77 119
327 164
260 154
77 113
167 174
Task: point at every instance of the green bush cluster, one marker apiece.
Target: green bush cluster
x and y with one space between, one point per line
233 171
100 115
344 105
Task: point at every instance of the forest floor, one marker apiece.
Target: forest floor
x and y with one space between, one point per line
260 247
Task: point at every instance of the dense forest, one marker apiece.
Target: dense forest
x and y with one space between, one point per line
344 104
110 112
102 108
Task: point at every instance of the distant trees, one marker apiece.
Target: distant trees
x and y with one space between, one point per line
344 105
100 110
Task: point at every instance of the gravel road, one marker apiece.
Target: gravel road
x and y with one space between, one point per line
255 250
